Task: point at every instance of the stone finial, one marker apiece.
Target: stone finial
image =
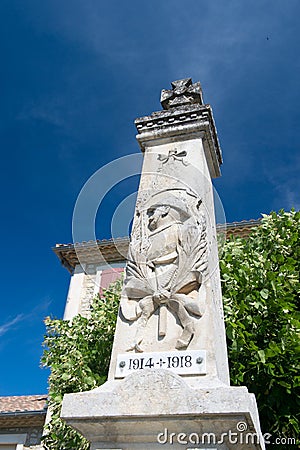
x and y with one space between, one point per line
183 92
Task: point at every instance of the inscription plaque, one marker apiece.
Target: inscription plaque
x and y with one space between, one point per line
187 362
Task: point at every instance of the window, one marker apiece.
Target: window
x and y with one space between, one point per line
109 276
12 441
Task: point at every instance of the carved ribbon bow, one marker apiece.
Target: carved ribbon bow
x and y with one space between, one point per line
173 154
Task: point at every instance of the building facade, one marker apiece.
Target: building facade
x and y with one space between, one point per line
21 422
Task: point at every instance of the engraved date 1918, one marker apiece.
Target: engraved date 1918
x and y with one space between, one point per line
189 362
163 363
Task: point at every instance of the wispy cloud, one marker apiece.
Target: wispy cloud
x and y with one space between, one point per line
292 198
11 324
39 310
283 176
49 109
287 195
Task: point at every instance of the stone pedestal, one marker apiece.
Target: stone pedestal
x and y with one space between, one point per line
168 382
156 409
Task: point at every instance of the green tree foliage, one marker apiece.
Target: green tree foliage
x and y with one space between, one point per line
260 283
78 354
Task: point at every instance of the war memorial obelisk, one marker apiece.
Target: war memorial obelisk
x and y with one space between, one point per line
168 383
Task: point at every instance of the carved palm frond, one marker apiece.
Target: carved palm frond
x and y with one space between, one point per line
138 276
192 261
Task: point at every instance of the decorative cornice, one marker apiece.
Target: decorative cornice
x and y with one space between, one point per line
183 115
112 251
92 252
184 122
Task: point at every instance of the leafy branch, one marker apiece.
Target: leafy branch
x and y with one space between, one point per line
78 353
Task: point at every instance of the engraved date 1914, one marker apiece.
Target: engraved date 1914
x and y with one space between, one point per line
166 363
189 362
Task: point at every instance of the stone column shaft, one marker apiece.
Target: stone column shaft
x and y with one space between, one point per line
168 379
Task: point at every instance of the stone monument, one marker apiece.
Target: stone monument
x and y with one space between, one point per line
168 383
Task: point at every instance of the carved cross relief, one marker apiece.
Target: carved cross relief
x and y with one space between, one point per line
184 92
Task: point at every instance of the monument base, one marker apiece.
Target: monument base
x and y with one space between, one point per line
153 409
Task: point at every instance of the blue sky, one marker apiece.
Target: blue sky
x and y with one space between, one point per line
74 76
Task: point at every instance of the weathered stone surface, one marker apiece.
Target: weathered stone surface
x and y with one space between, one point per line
146 403
181 124
166 263
183 92
176 188
171 299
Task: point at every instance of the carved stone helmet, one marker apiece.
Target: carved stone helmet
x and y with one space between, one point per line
168 199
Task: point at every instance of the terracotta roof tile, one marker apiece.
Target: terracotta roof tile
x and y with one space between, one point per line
23 403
